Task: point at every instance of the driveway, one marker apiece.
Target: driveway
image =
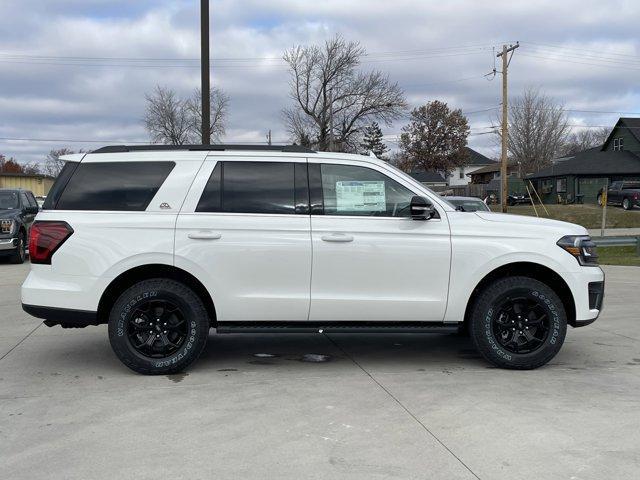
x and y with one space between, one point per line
380 406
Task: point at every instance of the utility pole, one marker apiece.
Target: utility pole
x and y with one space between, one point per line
204 66
269 137
504 183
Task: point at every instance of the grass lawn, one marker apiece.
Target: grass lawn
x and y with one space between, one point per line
589 216
618 256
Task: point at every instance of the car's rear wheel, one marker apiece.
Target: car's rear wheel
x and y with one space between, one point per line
626 204
20 253
158 326
600 199
518 323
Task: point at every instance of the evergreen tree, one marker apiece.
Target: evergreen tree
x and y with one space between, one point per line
372 141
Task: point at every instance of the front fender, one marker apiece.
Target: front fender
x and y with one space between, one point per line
465 278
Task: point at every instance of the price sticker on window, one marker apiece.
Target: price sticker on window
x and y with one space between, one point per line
354 196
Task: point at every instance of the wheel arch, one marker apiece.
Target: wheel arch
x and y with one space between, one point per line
145 272
536 271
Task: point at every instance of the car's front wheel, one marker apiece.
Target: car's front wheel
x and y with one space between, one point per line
158 326
518 323
20 253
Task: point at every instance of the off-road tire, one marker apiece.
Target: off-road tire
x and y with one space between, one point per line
485 309
194 313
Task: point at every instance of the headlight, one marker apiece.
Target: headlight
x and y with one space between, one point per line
6 226
582 248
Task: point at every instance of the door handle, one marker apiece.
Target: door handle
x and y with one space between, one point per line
205 236
337 237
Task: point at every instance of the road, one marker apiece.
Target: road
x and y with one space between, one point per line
381 406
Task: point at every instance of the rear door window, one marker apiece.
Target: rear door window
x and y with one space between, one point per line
115 186
256 187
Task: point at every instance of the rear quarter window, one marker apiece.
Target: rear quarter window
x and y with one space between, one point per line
115 186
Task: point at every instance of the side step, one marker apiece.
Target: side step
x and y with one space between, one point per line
336 327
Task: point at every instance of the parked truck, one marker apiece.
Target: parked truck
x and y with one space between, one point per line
626 194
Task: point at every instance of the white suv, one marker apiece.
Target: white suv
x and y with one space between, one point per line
164 243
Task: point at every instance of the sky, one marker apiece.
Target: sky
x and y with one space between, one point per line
74 73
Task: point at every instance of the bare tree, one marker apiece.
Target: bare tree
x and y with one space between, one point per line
537 130
219 112
167 117
53 164
334 102
585 139
174 121
434 139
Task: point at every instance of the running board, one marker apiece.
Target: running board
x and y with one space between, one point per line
336 327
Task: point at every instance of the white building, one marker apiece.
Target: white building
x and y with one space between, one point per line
461 176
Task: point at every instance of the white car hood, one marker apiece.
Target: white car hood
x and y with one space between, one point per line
570 228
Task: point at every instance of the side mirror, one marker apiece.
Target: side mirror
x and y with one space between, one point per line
421 208
31 210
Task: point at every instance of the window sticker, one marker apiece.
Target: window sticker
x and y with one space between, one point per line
353 196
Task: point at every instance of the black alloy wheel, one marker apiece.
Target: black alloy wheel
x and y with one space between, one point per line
521 324
157 328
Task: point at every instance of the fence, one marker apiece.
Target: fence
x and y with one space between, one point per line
618 242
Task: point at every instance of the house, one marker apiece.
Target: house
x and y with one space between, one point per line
38 184
484 175
430 179
579 177
462 175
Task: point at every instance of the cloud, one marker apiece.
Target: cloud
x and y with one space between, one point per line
583 53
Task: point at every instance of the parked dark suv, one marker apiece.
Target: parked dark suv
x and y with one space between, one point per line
18 208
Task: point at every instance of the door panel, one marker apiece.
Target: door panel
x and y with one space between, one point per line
257 266
379 267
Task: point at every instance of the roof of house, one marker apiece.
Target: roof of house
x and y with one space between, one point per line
630 123
476 158
494 167
593 162
428 177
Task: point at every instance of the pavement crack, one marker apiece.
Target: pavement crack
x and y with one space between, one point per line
18 344
614 333
406 409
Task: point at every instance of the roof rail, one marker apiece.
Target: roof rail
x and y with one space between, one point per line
215 148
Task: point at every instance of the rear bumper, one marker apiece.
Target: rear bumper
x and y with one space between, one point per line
67 318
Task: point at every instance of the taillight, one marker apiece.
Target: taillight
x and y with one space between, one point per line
45 238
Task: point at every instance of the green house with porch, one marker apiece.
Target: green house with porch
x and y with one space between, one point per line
577 178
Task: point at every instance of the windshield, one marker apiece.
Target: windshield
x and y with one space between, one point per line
9 200
415 182
469 205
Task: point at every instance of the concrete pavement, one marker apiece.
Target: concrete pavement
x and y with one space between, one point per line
382 406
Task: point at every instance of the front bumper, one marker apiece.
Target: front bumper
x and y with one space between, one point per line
8 244
588 293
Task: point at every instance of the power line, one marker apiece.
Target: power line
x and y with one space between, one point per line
579 63
248 62
564 47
